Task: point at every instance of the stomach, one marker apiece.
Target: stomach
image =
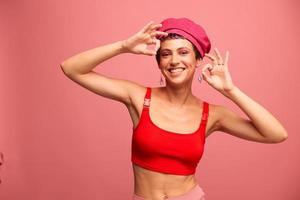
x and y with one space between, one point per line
154 185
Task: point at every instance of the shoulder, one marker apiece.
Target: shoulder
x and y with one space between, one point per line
223 116
215 113
137 93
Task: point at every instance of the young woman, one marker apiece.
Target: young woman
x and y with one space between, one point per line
170 124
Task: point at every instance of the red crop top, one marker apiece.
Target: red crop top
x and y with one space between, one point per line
165 151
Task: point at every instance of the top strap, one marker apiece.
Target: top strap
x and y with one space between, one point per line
147 98
205 112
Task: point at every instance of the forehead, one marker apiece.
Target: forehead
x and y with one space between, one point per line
174 44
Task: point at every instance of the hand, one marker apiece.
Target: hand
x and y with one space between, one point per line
138 43
220 78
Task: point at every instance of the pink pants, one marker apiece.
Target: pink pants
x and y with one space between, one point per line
195 193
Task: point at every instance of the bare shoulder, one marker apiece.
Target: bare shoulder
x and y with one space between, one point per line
135 106
215 113
137 94
220 114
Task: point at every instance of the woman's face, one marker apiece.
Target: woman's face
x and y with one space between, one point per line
177 54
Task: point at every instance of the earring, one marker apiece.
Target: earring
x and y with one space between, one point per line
161 80
199 75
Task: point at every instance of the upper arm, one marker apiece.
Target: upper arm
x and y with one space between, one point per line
231 123
112 88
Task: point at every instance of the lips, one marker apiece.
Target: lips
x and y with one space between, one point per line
176 69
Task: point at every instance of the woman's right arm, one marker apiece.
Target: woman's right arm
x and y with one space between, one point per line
79 67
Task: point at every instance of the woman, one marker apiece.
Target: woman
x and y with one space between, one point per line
168 139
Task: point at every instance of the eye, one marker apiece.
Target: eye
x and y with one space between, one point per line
184 52
164 54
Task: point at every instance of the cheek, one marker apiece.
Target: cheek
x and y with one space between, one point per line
163 62
189 62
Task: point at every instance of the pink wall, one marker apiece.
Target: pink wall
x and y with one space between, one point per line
62 142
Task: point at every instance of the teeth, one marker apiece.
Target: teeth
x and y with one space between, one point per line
176 70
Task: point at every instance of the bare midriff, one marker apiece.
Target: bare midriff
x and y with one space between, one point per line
158 186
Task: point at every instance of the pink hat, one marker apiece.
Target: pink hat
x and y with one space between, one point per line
188 29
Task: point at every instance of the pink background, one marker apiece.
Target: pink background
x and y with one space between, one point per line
61 141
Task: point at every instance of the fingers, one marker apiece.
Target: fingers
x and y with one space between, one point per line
150 27
218 60
154 34
152 52
157 45
146 28
155 26
205 76
226 57
212 58
209 67
149 52
152 40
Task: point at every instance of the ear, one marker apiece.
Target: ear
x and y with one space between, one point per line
198 62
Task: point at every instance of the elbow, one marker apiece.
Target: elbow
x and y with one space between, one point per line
282 137
68 69
62 66
277 138
64 69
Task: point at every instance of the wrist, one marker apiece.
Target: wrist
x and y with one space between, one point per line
231 92
123 47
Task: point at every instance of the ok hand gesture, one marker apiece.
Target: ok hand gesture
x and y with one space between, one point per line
219 78
138 43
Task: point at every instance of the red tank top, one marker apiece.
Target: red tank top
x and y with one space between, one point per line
165 151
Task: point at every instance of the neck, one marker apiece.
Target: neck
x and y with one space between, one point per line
178 96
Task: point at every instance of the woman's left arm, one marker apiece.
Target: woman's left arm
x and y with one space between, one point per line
262 126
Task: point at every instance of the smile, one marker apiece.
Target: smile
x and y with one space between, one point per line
176 70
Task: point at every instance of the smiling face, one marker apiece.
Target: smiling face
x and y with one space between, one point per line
177 60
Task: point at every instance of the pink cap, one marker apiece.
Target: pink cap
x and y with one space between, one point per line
188 29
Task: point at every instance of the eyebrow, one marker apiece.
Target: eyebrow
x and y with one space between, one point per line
177 48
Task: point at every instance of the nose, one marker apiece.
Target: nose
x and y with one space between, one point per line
174 60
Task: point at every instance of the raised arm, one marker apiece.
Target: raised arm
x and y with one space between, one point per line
79 67
261 126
